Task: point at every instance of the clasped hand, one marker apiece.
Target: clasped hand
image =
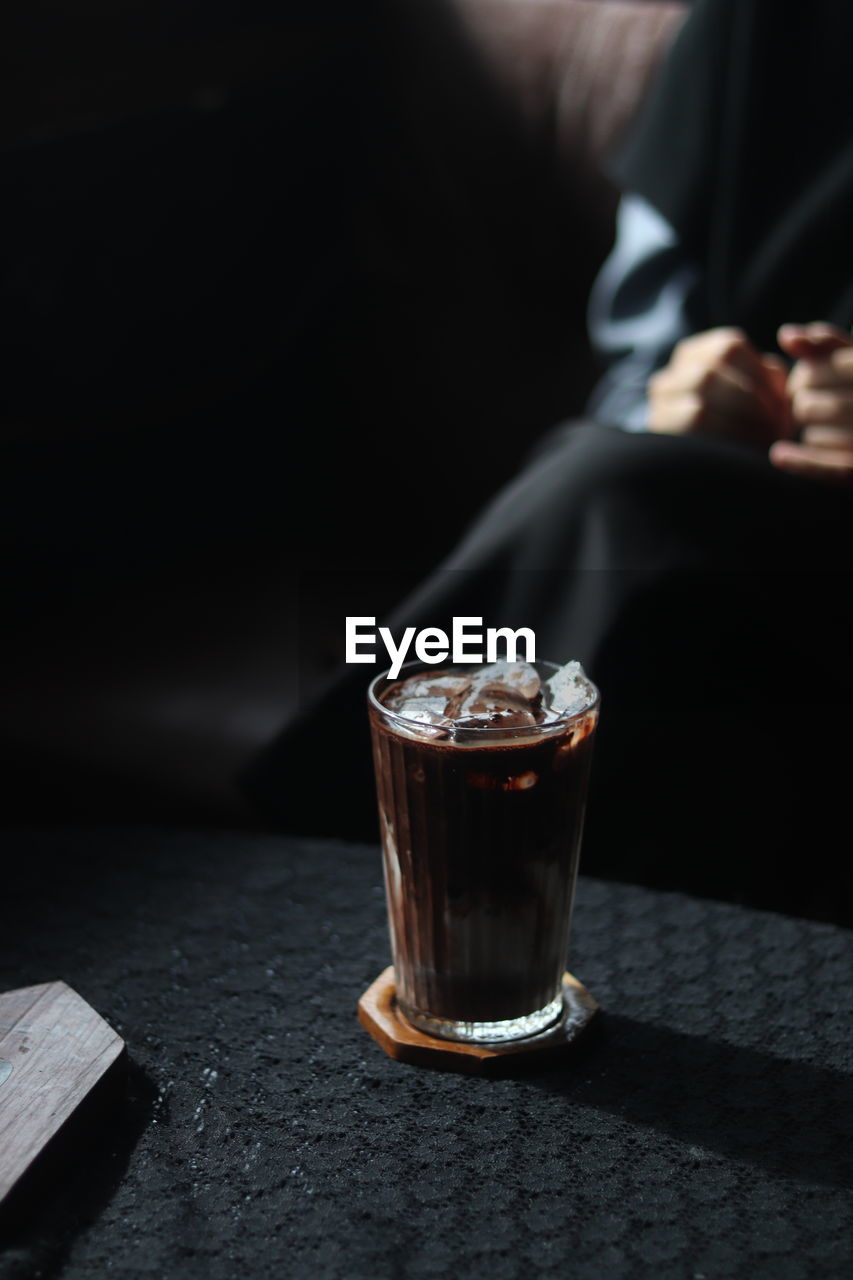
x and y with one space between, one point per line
717 383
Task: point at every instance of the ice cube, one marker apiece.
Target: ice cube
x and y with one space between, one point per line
439 685
501 688
569 690
423 710
518 677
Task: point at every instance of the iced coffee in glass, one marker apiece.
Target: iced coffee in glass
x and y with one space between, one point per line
482 779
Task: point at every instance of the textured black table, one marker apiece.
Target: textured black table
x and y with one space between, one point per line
705 1132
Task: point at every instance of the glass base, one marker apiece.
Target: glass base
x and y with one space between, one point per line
486 1032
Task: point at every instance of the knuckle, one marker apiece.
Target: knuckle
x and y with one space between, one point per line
806 405
683 348
818 437
842 362
800 377
730 347
729 338
694 415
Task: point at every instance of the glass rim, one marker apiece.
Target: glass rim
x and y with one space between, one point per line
515 731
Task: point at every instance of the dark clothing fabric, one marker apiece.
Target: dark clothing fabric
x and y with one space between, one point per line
746 148
680 571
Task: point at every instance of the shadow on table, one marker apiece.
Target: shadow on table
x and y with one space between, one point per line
42 1218
790 1118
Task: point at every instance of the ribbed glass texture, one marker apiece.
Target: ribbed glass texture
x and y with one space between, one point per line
480 848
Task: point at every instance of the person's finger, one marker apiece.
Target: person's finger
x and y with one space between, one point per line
832 370
696 376
718 350
717 383
710 342
827 437
775 368
732 392
724 405
675 414
823 407
812 341
775 395
831 466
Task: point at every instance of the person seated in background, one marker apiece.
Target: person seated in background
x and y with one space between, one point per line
690 543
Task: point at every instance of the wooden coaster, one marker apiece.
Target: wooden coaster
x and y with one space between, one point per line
56 1053
378 1013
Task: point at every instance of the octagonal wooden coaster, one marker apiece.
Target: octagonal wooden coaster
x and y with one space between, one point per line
379 1014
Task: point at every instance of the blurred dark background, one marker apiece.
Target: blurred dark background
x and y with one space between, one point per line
286 291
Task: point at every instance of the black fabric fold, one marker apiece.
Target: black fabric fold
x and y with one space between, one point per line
746 148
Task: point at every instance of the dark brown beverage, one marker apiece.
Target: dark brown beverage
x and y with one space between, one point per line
482 784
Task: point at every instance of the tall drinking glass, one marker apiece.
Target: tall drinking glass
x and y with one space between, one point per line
481 832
